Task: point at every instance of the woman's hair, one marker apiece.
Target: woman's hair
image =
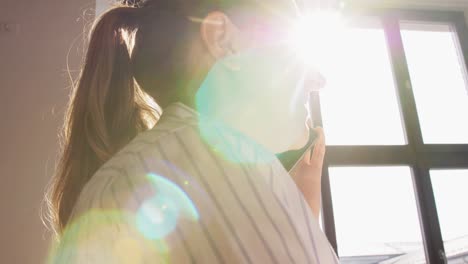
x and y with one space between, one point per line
134 50
106 110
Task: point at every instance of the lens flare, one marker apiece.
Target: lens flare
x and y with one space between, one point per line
260 101
260 92
105 236
157 217
128 250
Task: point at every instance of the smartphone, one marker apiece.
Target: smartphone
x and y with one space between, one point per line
291 158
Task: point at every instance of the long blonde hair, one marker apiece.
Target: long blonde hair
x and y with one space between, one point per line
107 109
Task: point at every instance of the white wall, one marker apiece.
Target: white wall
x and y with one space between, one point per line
466 16
32 88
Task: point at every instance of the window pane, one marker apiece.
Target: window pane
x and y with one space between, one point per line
359 104
438 79
450 190
375 213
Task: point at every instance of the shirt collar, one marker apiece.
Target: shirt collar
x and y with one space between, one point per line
181 111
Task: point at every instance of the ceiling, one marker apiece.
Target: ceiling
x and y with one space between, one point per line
421 4
424 4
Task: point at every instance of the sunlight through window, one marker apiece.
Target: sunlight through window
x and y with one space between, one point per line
451 197
359 104
375 212
438 77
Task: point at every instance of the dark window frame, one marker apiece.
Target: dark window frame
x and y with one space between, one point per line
418 156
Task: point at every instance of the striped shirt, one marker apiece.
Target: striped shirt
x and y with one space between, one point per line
189 191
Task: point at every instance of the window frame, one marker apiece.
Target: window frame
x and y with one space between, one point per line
418 156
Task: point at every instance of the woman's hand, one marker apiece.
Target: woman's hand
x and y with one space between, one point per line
308 173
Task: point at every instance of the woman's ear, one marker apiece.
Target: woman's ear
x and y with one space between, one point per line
218 34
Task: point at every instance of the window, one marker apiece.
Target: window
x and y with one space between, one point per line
395 115
438 80
359 108
375 212
450 190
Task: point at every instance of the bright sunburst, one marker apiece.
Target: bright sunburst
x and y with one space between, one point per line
315 37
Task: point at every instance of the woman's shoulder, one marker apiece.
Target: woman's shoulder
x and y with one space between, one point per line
104 221
123 180
109 189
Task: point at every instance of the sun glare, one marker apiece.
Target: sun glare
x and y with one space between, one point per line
316 36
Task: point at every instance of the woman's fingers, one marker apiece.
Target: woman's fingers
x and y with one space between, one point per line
318 153
307 157
315 156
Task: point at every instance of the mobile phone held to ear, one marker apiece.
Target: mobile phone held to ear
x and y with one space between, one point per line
291 158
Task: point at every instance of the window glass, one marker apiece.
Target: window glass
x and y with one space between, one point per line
376 216
359 104
451 195
438 78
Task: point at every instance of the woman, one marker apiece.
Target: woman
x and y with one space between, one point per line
203 185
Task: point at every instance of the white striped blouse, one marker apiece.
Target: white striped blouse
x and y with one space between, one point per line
187 191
